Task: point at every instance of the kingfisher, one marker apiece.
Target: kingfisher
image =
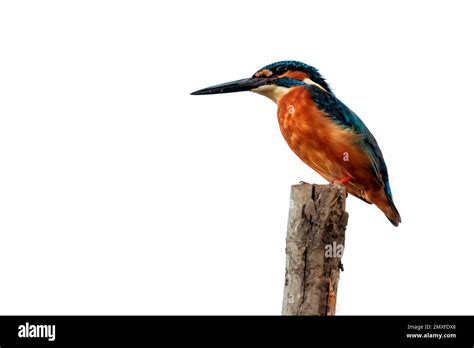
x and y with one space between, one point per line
321 130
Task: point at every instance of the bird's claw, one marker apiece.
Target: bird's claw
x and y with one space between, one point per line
343 181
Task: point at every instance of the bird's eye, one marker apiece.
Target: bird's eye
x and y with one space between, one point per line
280 70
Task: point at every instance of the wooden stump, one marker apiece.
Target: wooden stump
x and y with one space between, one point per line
314 245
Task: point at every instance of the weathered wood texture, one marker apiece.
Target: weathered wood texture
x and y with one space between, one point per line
316 229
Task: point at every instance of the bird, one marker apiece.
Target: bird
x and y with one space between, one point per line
321 130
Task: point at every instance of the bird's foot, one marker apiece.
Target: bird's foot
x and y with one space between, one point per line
343 181
304 182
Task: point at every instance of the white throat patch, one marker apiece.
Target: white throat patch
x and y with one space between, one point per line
273 92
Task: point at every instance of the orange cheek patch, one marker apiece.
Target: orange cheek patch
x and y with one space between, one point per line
264 73
297 75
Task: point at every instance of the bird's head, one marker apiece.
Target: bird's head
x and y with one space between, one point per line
273 80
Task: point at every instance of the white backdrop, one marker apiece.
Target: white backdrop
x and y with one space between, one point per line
122 194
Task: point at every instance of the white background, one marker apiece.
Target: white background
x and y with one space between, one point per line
122 194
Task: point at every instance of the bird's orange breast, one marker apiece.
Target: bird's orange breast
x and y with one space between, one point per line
322 144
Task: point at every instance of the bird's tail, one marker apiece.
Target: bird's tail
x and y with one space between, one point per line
384 201
392 214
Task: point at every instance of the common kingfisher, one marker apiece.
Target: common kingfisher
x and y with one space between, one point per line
321 130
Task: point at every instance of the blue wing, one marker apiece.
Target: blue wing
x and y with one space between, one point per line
345 117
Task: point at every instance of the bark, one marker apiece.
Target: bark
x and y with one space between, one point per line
314 246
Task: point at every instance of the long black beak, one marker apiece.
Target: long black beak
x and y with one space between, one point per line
234 86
